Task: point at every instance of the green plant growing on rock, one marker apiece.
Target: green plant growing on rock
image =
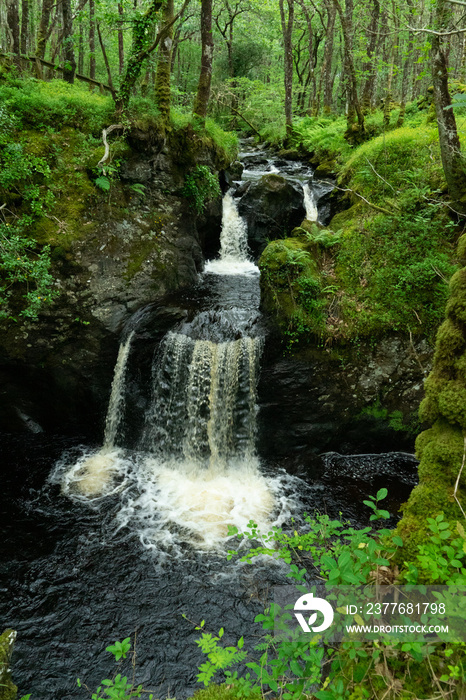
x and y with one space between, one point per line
201 186
26 283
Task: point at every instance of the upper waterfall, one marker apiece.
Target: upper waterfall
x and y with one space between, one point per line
234 258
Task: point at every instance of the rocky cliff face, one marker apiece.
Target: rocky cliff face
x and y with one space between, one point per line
130 249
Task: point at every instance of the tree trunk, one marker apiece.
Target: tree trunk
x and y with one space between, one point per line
92 39
121 51
12 18
203 89
287 30
326 70
24 25
69 68
42 33
162 77
369 67
355 132
81 49
450 149
139 51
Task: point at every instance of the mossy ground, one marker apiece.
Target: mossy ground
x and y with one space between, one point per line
395 253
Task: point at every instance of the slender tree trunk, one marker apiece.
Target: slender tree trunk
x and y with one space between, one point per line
326 70
81 49
203 89
162 78
107 64
121 50
369 67
42 32
406 71
287 30
92 39
12 18
68 46
25 4
450 149
354 132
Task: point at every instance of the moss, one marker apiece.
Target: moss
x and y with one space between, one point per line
7 688
452 403
449 344
343 218
442 448
215 692
461 249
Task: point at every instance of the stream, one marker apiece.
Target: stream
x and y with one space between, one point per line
102 542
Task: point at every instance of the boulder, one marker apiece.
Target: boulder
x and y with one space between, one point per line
272 207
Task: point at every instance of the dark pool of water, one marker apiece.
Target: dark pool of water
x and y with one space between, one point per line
70 585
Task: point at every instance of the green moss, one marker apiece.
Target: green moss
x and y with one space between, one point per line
461 249
449 344
452 403
7 688
215 692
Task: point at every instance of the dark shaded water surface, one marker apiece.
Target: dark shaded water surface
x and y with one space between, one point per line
70 584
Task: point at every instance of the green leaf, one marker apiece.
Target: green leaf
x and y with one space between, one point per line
396 539
381 494
103 182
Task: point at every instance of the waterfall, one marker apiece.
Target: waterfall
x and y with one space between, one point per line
310 203
194 470
203 401
234 258
117 395
93 473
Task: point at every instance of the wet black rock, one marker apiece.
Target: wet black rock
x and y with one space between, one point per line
272 207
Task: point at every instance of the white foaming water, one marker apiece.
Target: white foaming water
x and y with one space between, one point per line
310 203
233 243
178 502
95 474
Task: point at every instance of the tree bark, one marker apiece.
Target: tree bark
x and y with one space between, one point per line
369 66
92 39
326 69
287 30
355 132
12 18
121 51
69 68
450 149
162 77
42 33
203 89
25 4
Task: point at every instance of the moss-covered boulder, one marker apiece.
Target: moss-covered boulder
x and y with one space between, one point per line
442 448
272 207
7 687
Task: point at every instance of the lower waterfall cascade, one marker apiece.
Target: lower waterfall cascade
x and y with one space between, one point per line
195 470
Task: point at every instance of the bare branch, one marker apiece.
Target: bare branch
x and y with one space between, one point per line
370 204
105 132
431 31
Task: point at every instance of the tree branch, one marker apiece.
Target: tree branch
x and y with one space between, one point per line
105 132
373 206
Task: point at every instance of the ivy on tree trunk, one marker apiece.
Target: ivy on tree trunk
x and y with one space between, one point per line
203 89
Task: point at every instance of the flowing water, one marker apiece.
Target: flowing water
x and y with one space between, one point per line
130 536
